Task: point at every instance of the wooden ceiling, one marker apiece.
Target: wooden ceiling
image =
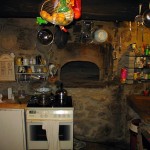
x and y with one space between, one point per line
102 10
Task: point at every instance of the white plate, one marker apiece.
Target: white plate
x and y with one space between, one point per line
100 35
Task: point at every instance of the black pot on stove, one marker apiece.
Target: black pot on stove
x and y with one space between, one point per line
47 100
44 100
51 98
33 101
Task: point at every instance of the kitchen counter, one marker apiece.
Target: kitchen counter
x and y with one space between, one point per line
13 104
141 105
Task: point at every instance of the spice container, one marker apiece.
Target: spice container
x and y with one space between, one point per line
19 61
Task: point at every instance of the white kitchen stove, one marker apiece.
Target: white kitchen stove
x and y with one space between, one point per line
37 136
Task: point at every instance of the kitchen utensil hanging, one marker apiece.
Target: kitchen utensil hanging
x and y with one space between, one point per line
139 17
139 20
142 28
130 29
57 12
146 17
45 36
61 38
120 43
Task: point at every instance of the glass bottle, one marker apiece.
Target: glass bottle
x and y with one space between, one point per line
147 50
61 95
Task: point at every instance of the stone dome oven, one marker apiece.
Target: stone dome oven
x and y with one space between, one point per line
85 65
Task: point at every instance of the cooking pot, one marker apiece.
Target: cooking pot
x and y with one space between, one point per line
43 100
45 36
34 100
47 100
51 98
43 96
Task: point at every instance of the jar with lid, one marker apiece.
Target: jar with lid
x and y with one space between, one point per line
25 61
148 64
32 61
19 61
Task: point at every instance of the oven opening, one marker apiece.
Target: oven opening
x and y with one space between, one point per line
64 132
77 73
38 134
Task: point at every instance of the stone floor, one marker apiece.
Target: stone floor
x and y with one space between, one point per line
97 146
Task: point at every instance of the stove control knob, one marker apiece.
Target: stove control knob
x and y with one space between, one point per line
46 114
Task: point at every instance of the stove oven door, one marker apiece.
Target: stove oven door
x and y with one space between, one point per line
36 136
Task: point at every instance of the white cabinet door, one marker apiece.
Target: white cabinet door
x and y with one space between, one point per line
12 129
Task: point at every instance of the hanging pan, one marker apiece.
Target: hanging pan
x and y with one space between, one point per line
45 36
146 17
61 38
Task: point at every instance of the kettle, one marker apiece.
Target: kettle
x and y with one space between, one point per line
61 96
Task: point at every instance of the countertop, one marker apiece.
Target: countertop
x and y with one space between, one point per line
13 104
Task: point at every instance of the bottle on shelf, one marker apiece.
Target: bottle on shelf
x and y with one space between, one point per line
147 50
123 75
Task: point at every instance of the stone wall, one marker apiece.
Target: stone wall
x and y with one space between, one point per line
100 114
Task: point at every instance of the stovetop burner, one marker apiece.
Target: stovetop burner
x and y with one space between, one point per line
32 102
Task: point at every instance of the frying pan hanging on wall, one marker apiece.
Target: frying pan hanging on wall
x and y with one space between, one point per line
146 16
60 38
45 36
